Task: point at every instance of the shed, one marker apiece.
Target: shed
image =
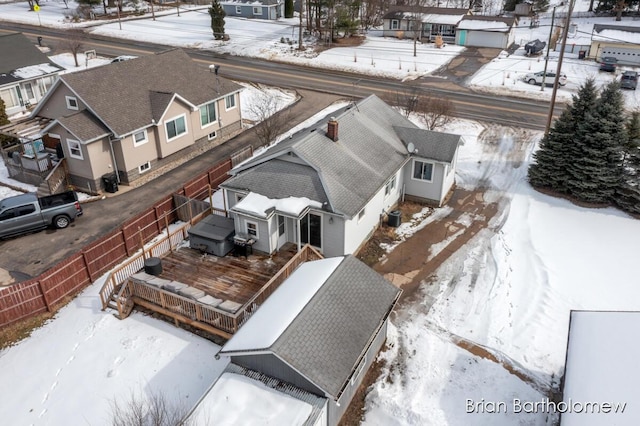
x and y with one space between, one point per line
213 234
485 31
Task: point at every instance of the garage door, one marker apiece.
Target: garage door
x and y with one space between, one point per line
625 56
485 39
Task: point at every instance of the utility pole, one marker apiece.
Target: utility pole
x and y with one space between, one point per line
555 83
300 30
546 61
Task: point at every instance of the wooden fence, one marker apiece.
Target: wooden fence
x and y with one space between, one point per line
48 291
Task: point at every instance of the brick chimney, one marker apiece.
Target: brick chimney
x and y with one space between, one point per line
332 129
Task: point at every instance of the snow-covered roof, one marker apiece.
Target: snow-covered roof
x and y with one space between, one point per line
261 206
434 18
602 367
276 313
35 71
496 26
617 36
239 400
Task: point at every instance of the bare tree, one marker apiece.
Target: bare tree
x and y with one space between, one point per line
407 100
73 43
155 410
435 112
270 120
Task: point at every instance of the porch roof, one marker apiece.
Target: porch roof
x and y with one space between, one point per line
29 129
84 126
260 206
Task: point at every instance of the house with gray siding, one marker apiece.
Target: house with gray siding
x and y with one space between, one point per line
486 31
26 74
332 184
133 118
254 9
423 23
319 332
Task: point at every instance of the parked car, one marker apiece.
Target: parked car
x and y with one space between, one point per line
608 64
28 212
536 78
629 80
122 58
534 47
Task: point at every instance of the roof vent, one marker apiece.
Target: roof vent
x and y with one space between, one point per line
332 129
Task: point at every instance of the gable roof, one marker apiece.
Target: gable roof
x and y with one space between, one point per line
84 126
142 88
325 330
22 60
426 13
616 34
351 170
487 23
429 144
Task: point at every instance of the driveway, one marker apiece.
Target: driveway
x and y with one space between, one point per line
466 64
30 255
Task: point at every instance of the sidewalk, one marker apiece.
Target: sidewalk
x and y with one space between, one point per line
32 254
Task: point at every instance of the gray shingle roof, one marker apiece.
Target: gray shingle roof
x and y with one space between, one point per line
84 126
326 340
18 52
353 168
432 145
139 88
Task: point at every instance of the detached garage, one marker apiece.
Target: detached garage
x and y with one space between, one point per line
623 43
485 31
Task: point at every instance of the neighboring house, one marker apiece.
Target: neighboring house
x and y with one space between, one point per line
485 31
331 184
318 334
258 9
26 74
524 9
138 116
601 372
428 22
623 43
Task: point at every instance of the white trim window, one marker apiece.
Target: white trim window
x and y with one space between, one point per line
252 229
144 167
361 214
281 228
140 138
422 170
395 24
75 149
390 186
72 103
239 197
230 101
212 135
208 114
176 127
238 10
10 97
257 10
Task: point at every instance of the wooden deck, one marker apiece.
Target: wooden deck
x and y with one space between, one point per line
228 278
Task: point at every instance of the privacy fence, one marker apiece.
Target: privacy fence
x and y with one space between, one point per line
48 291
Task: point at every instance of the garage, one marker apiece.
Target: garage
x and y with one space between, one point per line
621 42
485 31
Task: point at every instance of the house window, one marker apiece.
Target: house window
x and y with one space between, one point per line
257 10
280 225
29 90
390 186
423 171
395 24
212 135
45 84
72 103
230 101
144 167
140 138
208 114
359 370
75 150
9 97
238 10
361 215
176 127
252 229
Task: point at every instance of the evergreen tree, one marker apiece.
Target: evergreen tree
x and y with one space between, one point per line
217 19
557 148
596 171
627 197
4 119
288 8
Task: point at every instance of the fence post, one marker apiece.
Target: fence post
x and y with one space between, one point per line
86 265
144 254
44 296
210 198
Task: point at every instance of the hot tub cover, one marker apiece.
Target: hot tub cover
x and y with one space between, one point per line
213 227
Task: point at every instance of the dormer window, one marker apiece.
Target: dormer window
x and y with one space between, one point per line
72 103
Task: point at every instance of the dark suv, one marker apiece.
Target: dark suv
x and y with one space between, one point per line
629 80
608 64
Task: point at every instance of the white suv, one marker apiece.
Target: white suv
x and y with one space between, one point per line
536 78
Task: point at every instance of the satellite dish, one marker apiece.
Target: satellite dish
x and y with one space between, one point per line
411 147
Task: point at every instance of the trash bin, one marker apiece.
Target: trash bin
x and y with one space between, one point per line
110 183
394 219
582 54
153 266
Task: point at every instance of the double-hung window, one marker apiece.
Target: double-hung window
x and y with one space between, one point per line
75 149
176 127
395 24
390 186
230 101
208 114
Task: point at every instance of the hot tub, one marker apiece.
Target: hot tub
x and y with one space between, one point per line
213 234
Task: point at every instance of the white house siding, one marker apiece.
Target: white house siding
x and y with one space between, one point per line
428 191
357 231
627 54
487 39
322 418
